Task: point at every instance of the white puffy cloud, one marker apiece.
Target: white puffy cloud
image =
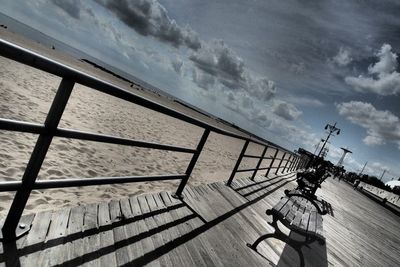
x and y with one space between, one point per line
383 78
343 57
387 61
382 126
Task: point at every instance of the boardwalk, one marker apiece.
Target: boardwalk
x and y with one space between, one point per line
210 227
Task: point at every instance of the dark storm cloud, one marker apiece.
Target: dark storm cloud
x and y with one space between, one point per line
221 62
71 7
149 18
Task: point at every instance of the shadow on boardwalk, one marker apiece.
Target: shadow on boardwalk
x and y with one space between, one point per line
313 254
152 228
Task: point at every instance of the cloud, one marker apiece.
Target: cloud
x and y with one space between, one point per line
71 7
150 18
382 126
218 60
305 101
387 61
177 65
228 68
286 110
383 78
203 79
343 57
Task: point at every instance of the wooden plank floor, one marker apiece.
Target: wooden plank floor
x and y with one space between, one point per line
209 227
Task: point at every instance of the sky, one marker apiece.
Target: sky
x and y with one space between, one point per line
280 69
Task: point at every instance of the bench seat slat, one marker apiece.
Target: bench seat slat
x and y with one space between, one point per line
312 222
318 228
304 221
295 207
299 214
280 204
285 209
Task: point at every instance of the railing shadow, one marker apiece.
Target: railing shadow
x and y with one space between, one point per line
11 254
251 190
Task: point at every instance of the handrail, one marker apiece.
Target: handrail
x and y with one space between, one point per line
35 128
50 129
61 183
33 59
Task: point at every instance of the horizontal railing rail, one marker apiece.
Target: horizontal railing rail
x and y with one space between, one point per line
61 183
256 157
50 129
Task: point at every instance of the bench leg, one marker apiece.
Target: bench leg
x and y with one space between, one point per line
259 240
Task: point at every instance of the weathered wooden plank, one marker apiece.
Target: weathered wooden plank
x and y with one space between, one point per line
74 246
292 212
106 236
90 236
312 222
217 205
10 253
36 238
132 229
255 223
304 221
318 226
146 242
178 256
122 252
56 253
199 244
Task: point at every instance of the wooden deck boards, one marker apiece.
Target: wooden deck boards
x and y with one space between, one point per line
209 227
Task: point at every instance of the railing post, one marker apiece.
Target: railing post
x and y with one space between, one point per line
287 162
239 160
290 168
294 163
200 145
299 163
10 230
272 162
280 163
259 163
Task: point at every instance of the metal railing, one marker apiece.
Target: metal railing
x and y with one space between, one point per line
70 76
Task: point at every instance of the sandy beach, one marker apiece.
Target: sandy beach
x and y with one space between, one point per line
26 95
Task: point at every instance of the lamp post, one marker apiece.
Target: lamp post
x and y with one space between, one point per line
383 173
316 149
332 129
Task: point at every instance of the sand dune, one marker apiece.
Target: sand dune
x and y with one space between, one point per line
26 94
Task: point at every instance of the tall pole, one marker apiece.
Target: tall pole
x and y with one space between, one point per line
332 129
383 173
316 149
363 168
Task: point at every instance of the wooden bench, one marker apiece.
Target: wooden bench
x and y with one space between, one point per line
301 216
308 183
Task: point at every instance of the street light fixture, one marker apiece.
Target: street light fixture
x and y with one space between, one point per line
332 129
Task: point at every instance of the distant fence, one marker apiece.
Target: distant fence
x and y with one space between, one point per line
11 228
